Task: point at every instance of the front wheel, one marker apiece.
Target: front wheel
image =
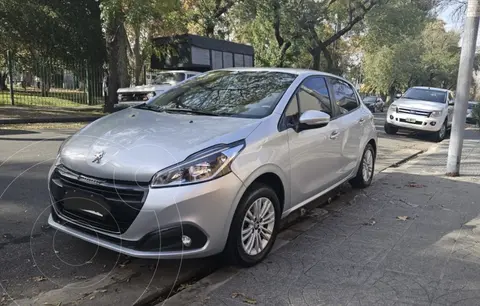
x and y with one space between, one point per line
390 129
254 227
440 135
364 175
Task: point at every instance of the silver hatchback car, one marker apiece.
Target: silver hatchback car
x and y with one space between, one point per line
213 164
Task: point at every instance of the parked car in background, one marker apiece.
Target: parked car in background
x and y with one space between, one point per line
213 164
422 109
374 103
470 116
140 94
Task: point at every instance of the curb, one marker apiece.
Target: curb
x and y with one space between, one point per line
50 120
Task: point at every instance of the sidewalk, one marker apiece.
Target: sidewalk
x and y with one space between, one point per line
409 239
40 114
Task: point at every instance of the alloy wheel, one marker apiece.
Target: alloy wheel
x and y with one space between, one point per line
367 167
258 225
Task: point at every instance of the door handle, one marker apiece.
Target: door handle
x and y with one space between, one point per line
361 121
334 135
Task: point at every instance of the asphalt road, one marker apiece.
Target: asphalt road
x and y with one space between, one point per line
34 258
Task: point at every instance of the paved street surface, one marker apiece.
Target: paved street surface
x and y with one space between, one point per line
410 239
36 260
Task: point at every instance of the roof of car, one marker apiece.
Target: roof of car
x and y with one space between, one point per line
432 88
297 71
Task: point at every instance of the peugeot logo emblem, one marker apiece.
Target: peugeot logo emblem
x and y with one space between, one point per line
98 157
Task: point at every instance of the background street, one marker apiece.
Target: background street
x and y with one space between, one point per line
36 259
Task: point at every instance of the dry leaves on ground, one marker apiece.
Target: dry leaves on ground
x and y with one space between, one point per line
403 218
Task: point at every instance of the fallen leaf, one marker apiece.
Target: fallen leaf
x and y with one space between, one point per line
80 277
101 290
250 301
92 297
39 278
403 218
371 222
415 185
123 264
235 294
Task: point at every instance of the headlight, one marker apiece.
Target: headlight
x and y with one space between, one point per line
393 108
119 97
151 95
436 114
203 166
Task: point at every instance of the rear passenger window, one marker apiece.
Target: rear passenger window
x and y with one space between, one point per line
344 96
190 76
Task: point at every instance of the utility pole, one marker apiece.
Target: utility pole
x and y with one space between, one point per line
10 76
464 81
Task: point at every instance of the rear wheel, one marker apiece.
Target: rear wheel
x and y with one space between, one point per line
254 227
365 170
390 129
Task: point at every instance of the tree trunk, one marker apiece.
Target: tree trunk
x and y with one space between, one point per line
331 67
138 56
3 80
123 75
316 60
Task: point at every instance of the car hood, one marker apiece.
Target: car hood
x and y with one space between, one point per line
138 143
419 104
144 88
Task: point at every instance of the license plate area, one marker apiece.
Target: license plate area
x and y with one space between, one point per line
411 120
85 205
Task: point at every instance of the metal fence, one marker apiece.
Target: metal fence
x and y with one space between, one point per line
51 83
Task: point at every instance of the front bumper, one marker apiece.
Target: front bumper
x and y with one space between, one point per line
422 123
201 211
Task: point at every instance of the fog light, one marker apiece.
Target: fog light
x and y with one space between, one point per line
433 123
391 117
187 241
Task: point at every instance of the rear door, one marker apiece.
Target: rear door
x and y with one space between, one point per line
314 153
351 121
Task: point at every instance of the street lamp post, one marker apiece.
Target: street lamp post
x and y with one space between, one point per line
464 80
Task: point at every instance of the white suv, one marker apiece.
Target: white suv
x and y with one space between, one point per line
423 109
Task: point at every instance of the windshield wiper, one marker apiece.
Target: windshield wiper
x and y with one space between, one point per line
153 108
191 111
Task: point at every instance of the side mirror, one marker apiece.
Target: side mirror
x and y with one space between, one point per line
398 96
313 119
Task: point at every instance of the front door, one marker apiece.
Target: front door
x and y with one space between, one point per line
314 153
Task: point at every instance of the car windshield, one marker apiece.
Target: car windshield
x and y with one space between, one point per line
250 94
430 95
169 78
370 99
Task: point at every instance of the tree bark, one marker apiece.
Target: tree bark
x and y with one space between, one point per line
3 80
137 56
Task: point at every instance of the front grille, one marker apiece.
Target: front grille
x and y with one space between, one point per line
106 205
416 122
134 96
413 112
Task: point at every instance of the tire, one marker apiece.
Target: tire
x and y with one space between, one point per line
442 133
362 180
390 129
236 251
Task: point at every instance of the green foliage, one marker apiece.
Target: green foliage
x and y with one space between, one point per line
476 113
403 46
